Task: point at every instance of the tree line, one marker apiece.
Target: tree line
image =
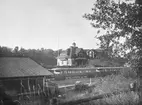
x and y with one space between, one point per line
47 57
44 57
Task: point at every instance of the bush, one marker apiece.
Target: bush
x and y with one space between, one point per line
81 87
128 73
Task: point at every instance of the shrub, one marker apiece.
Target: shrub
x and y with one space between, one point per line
81 87
128 73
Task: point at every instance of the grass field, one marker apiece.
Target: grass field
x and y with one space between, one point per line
104 85
72 81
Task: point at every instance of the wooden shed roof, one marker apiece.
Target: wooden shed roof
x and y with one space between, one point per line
21 67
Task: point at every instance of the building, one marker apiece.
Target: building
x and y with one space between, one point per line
20 75
73 56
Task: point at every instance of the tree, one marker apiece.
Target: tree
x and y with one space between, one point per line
5 51
119 20
138 2
16 49
22 51
42 56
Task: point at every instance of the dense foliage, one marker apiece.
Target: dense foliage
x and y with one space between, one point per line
45 57
81 87
119 20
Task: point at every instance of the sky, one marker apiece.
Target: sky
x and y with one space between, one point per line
49 24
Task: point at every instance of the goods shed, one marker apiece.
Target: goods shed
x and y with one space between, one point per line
21 75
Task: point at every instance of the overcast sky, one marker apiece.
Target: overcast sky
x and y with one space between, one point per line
46 23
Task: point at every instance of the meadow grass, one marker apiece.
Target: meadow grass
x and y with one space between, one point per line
129 98
104 85
72 81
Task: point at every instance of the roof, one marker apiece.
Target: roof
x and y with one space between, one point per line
78 50
20 67
64 57
96 50
64 54
99 50
103 62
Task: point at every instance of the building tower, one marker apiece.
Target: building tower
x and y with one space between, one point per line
74 44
